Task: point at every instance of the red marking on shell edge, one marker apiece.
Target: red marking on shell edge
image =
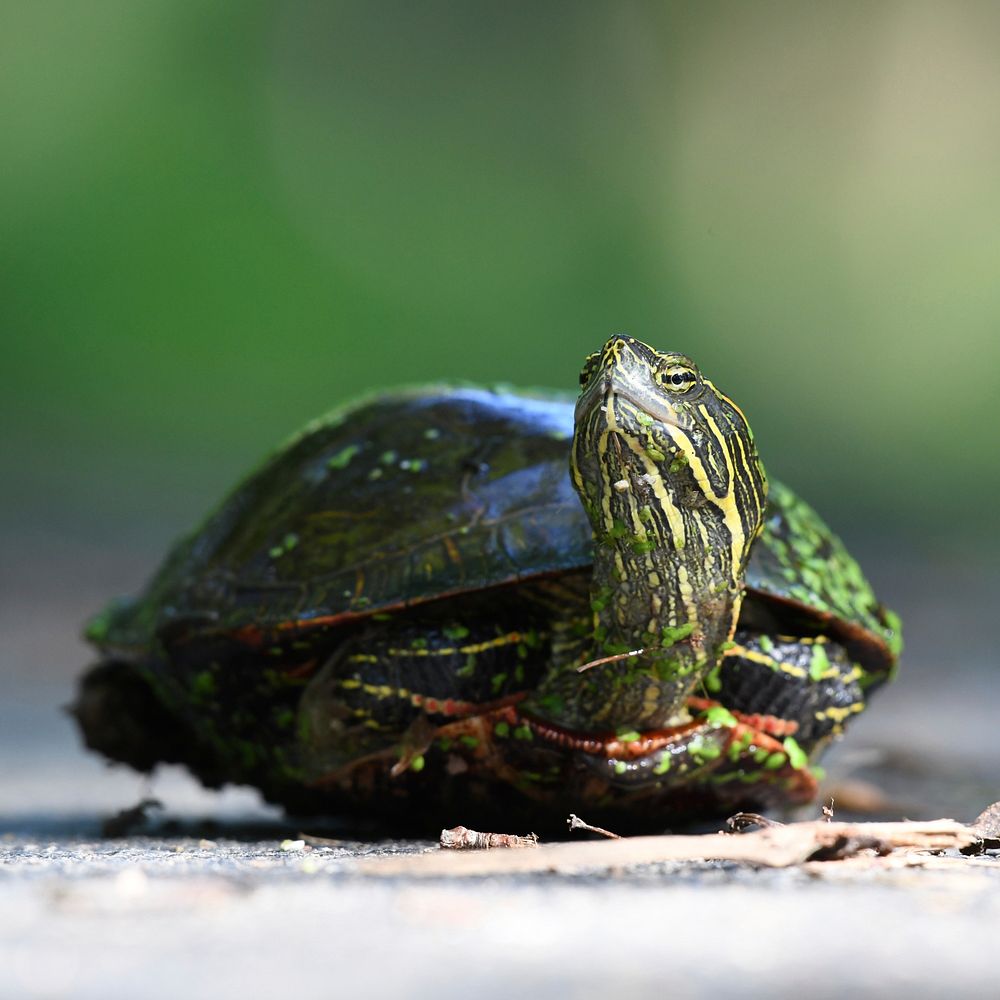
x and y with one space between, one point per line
608 744
771 724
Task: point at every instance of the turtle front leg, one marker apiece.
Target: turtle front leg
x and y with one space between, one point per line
384 696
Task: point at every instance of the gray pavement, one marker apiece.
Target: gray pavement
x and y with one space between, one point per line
213 904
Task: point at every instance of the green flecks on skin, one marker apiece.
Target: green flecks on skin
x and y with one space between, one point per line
775 760
819 773
381 616
674 633
656 455
797 757
671 669
713 680
819 662
417 764
720 716
645 513
628 735
468 669
766 646
469 741
760 755
98 627
663 765
616 648
419 643
523 732
534 776
276 552
445 743
290 541
284 719
497 681
553 704
680 462
644 418
413 464
456 632
620 767
203 685
432 434
388 457
743 778
893 631
303 730
502 729
702 751
618 530
642 545
519 673
343 457
376 473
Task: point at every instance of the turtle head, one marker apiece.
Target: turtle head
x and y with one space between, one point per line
651 428
666 467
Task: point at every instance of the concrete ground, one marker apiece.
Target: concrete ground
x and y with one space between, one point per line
222 900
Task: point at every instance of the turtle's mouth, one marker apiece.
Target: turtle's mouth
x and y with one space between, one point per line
603 392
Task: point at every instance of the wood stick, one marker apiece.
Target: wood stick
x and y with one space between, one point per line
773 847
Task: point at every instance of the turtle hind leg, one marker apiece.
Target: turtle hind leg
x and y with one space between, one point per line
120 716
810 683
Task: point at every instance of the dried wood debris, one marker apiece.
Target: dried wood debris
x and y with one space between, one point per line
773 846
461 838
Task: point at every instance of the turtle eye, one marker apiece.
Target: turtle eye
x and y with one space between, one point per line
589 367
677 378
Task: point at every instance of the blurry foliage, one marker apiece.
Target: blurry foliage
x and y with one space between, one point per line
220 219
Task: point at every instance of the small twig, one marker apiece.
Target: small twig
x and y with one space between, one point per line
575 823
828 811
613 658
320 841
772 847
461 838
742 821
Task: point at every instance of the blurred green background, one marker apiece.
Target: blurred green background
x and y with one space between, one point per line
222 218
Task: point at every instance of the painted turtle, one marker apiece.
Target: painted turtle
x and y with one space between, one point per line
450 605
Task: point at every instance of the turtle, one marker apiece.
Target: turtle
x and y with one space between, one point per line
452 604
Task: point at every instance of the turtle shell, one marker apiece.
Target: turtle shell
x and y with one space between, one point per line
418 494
